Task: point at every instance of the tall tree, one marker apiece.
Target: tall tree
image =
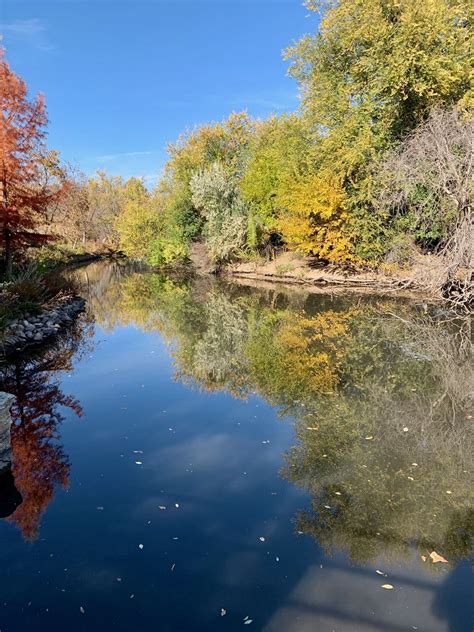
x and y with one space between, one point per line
26 187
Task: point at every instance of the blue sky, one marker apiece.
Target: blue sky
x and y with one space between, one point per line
124 78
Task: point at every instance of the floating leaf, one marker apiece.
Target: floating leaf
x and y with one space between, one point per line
437 558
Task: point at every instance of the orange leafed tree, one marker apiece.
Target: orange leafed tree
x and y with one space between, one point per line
26 186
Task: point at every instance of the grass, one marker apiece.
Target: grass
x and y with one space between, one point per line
28 289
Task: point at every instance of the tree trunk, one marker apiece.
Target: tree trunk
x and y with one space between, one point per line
7 238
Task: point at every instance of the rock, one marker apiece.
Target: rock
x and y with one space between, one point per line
6 401
38 337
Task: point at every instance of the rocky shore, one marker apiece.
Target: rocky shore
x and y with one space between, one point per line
35 329
6 400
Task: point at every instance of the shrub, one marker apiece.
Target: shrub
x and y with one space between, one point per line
216 194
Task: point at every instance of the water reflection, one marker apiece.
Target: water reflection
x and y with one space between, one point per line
39 461
381 393
374 452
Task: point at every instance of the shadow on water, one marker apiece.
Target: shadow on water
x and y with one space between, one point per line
380 397
10 497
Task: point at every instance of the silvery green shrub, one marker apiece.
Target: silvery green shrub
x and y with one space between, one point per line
216 195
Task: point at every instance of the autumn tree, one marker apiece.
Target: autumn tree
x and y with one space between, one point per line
26 182
370 75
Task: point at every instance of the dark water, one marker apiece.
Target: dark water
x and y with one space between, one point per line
202 456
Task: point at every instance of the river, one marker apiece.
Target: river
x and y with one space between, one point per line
198 455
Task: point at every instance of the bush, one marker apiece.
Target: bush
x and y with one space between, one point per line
28 289
216 194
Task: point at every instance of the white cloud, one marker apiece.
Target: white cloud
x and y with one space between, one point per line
32 31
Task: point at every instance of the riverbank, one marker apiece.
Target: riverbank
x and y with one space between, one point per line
39 300
423 279
33 330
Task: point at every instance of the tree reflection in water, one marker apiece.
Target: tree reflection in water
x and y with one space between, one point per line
39 461
381 393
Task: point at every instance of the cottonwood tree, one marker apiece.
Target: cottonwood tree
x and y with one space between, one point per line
27 182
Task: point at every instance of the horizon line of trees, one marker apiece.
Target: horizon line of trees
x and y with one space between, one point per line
375 166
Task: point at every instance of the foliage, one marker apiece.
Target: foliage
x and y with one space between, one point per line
144 230
372 73
316 219
278 154
27 170
216 195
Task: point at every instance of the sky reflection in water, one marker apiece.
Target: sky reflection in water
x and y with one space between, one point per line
270 450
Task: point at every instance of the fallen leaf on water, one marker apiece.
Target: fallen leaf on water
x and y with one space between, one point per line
437 558
387 586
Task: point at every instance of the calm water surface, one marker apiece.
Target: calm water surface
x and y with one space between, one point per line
204 456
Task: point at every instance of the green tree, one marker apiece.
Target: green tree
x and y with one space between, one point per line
373 72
